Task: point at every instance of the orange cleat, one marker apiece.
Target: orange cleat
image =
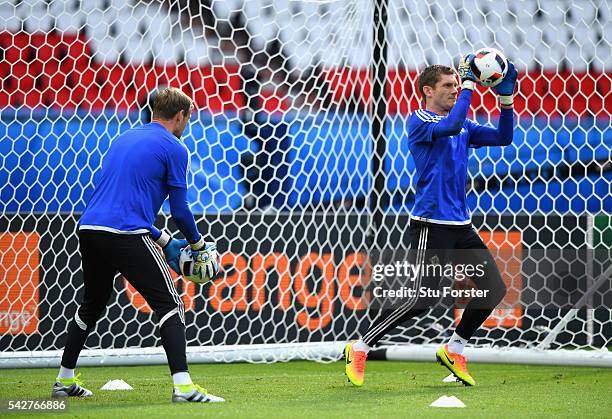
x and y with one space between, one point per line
355 364
455 364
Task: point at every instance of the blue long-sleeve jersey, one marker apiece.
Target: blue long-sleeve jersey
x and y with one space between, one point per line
141 168
440 148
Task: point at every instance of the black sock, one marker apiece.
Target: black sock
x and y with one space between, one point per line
175 344
74 344
471 320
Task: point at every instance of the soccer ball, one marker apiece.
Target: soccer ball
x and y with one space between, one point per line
489 66
200 269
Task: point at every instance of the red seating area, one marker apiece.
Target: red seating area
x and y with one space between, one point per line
57 70
542 93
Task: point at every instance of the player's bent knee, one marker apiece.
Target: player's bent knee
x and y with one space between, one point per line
87 317
171 316
495 285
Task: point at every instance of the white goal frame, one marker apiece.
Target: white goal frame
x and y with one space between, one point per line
298 166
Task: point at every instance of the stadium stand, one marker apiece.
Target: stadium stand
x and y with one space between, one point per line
95 59
318 158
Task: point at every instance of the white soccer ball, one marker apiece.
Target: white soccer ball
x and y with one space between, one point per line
489 66
202 269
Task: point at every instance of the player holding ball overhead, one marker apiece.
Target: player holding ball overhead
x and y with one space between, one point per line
142 167
439 138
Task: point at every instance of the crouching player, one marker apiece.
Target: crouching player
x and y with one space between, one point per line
142 167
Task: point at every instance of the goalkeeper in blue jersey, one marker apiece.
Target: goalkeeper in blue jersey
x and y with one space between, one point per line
439 138
142 167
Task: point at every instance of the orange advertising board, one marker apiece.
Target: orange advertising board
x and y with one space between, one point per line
507 249
340 284
19 299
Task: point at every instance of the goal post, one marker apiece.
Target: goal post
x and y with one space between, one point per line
300 168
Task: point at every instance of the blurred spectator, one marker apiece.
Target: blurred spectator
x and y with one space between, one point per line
269 87
312 92
265 74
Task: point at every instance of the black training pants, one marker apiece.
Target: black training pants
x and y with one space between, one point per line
436 242
136 257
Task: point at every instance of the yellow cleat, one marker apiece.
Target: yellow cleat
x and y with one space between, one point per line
355 364
455 364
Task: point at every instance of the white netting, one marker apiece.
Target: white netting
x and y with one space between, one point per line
282 152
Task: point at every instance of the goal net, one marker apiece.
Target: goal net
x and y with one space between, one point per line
296 100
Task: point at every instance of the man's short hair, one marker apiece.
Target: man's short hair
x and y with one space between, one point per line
431 75
168 101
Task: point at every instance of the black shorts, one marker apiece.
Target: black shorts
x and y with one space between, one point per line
138 259
438 236
458 248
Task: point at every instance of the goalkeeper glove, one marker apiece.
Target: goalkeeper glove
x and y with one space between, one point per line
505 89
468 80
207 261
205 257
172 250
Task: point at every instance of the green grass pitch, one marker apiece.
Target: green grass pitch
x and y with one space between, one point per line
308 389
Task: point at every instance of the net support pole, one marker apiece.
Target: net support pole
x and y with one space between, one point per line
589 271
378 197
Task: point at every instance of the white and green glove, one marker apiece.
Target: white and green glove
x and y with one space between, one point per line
468 80
200 262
